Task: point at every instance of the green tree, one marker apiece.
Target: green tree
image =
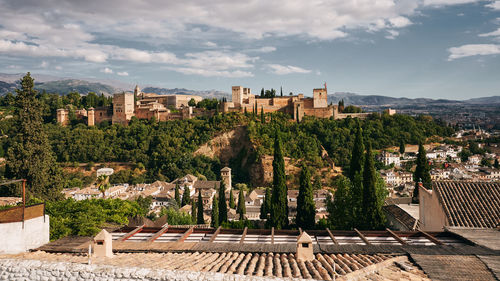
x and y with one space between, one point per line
177 195
422 172
306 209
281 91
262 93
186 198
193 211
402 146
192 102
340 208
317 182
222 204
279 201
199 216
215 213
262 117
265 207
496 165
232 204
241 205
373 218
30 155
357 155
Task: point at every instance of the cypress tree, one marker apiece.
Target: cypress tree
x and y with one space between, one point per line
215 212
281 90
306 209
177 195
279 201
186 199
402 146
262 117
246 113
241 205
265 208
30 155
232 204
372 212
495 164
222 204
262 93
358 150
193 211
422 172
339 211
199 215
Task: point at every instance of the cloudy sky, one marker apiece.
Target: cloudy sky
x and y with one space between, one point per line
403 48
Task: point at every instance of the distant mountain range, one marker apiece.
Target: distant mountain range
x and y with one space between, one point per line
53 84
377 100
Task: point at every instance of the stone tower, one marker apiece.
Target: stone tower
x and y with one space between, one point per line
225 175
123 108
62 116
137 91
91 117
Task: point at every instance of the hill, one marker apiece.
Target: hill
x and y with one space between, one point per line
182 91
74 85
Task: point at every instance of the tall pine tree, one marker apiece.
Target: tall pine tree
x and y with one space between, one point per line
232 204
193 211
357 156
340 209
402 146
262 117
186 199
30 155
372 211
241 205
215 212
422 172
265 208
199 215
306 209
279 201
222 204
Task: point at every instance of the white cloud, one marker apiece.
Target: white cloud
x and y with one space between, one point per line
212 73
399 22
286 69
447 2
392 34
107 70
266 49
210 44
495 5
123 73
473 50
493 33
44 64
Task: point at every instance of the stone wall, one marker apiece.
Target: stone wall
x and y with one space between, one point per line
14 269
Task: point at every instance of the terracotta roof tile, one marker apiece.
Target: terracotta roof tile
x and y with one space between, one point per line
470 204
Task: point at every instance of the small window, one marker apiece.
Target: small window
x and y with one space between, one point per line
100 242
305 245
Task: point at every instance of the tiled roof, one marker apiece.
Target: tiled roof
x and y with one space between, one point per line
402 216
470 204
250 264
206 184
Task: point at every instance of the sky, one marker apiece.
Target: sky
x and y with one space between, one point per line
401 48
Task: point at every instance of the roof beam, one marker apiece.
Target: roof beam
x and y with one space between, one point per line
131 233
186 234
395 236
362 237
243 235
212 239
272 235
430 237
158 234
332 237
